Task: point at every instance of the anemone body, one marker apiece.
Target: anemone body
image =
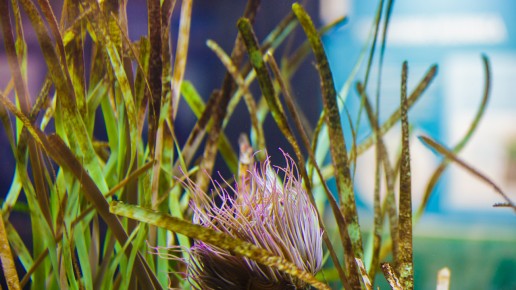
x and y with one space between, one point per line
273 214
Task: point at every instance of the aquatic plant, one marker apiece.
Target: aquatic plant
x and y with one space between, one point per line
97 207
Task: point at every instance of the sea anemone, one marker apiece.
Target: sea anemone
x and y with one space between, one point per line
261 209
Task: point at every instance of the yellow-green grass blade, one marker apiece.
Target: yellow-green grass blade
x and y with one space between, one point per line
16 54
300 54
161 268
396 115
376 25
448 154
74 55
248 97
155 70
196 104
104 272
265 82
6 257
353 243
389 201
177 211
141 236
333 203
81 241
119 260
393 118
391 276
66 253
405 265
472 128
43 235
18 246
13 193
181 53
112 133
96 95
220 102
264 79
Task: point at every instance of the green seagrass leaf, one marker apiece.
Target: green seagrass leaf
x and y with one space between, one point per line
353 241
405 265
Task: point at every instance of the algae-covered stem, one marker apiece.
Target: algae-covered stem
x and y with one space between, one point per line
339 156
222 99
405 267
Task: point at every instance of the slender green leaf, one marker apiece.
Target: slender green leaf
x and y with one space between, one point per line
333 203
472 128
363 273
300 54
391 277
10 274
19 248
353 243
181 53
221 101
376 24
248 97
155 69
389 204
405 266
453 157
196 103
395 116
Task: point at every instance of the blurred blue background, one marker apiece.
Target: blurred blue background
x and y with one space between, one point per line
452 35
460 228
